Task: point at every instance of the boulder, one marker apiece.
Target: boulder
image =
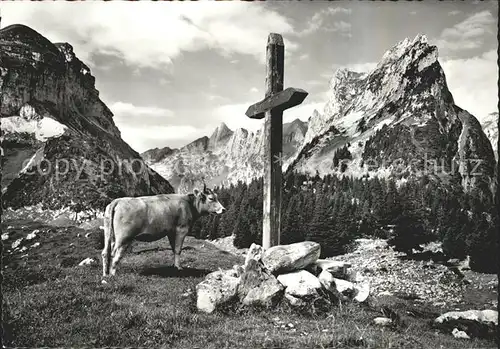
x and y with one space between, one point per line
459 334
336 286
258 287
300 283
287 258
344 287
218 288
254 253
476 323
86 261
294 301
337 268
382 321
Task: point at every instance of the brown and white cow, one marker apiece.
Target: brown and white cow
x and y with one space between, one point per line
150 218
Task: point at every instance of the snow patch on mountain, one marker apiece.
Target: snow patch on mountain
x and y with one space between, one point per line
42 129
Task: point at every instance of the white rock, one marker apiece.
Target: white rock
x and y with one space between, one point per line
344 287
254 252
459 334
5 237
22 249
482 316
32 235
300 283
335 285
326 279
362 292
86 261
36 244
382 321
217 288
336 268
287 258
16 243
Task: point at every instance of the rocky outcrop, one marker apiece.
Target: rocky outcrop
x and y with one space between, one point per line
225 157
59 140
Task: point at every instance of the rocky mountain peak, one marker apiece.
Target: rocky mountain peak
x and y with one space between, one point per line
51 110
404 47
220 135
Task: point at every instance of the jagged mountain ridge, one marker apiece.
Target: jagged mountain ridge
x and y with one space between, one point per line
225 157
52 117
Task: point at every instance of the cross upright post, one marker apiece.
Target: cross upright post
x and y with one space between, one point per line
271 108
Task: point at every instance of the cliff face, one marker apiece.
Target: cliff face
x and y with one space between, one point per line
60 143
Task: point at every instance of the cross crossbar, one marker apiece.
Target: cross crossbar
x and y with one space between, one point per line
279 101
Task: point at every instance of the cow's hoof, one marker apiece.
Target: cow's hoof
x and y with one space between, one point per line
104 282
178 268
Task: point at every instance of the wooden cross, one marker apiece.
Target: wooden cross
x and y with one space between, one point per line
272 107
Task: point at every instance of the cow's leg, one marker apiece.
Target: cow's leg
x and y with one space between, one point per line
105 260
171 239
118 251
180 235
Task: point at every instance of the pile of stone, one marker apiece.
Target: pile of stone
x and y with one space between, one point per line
290 273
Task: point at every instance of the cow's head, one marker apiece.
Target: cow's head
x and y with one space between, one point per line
207 201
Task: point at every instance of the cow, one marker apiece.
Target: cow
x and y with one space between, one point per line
150 218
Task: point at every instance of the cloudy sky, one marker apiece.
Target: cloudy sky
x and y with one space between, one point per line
171 72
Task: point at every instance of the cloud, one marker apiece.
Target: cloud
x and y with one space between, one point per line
468 34
473 83
153 34
322 20
233 115
254 90
302 111
213 97
146 137
454 13
122 108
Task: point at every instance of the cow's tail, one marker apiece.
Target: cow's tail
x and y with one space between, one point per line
109 236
